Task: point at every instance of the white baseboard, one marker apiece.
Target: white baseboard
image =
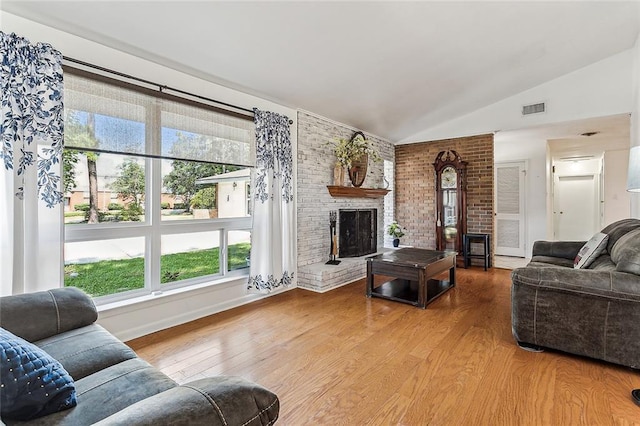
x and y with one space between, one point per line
151 315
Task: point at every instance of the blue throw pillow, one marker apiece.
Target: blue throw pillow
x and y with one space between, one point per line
32 383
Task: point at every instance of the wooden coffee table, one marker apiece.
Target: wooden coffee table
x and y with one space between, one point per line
412 270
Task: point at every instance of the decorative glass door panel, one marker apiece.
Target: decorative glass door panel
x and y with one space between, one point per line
450 218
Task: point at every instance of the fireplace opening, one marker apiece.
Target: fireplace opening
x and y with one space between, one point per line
358 231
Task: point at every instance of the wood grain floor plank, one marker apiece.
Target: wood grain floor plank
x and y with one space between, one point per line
339 358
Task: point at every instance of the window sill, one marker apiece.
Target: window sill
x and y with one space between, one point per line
161 297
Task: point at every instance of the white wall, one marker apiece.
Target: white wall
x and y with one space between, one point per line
617 200
232 200
154 312
635 119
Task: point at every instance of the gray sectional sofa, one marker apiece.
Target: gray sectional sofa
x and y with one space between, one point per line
594 312
114 386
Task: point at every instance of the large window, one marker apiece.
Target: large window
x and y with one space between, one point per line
155 187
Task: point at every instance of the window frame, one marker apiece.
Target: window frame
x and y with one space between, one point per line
153 227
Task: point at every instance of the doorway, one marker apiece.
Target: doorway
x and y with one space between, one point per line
576 201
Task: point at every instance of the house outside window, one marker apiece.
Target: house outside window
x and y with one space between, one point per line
132 162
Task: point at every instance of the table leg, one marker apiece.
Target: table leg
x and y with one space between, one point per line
486 252
452 274
369 279
422 290
465 251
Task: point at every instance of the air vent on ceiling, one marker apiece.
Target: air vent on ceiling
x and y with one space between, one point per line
533 108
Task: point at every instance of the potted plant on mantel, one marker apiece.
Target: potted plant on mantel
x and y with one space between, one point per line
354 155
396 231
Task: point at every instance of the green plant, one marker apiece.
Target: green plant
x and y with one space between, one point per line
179 206
73 214
169 276
114 206
130 181
181 181
131 212
347 150
82 207
204 199
165 206
395 230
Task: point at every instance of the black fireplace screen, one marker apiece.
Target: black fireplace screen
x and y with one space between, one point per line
358 232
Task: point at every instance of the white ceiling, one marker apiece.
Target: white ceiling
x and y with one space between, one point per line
389 68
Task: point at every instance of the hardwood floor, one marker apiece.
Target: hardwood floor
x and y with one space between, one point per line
341 359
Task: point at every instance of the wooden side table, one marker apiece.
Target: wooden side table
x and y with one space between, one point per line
485 239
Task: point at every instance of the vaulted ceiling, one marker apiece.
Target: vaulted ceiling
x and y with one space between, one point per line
390 68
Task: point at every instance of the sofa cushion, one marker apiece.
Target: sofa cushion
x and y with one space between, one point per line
108 391
212 401
603 263
59 310
562 249
614 284
618 229
551 261
32 383
591 250
85 350
626 253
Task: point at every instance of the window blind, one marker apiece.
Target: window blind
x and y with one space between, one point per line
104 115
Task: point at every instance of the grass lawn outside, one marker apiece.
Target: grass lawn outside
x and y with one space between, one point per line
116 276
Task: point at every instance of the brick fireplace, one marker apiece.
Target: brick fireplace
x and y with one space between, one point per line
315 172
413 194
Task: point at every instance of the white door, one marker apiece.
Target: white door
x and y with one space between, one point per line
510 212
576 207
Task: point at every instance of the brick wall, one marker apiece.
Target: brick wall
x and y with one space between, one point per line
415 186
315 172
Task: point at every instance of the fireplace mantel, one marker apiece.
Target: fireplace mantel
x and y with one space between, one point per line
353 192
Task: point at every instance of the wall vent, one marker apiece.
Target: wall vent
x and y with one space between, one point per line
534 108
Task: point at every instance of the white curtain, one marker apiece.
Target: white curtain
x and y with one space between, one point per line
273 232
30 180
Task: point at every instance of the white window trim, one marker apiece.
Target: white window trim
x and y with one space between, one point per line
153 236
153 228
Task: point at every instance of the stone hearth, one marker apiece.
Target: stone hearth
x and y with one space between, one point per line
321 277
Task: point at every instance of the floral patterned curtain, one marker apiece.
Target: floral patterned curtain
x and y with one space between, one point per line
32 139
273 232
